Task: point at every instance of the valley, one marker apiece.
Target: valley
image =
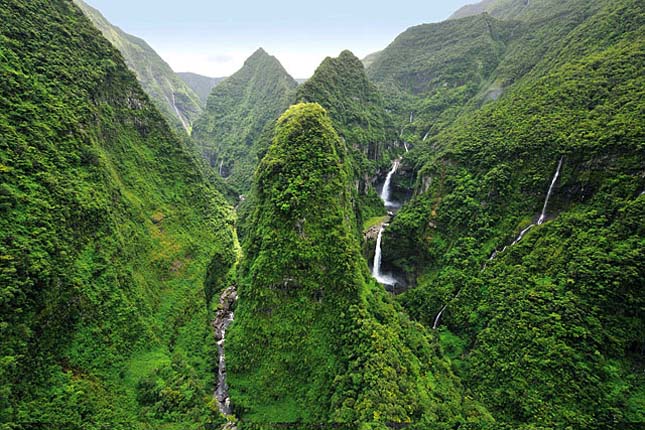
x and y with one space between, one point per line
446 234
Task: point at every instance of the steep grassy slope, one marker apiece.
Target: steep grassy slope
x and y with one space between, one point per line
237 112
314 340
433 72
550 333
107 230
175 100
201 85
517 9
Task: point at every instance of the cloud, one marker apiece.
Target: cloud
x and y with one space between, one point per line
220 58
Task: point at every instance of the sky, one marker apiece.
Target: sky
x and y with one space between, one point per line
213 38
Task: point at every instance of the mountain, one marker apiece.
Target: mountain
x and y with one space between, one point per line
429 72
315 341
201 85
369 59
355 105
238 110
175 100
524 238
515 9
107 233
357 110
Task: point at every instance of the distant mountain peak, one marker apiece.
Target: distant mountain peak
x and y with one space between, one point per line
259 55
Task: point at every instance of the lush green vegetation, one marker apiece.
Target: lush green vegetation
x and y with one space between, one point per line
550 334
114 240
357 111
175 99
201 85
239 109
107 233
315 340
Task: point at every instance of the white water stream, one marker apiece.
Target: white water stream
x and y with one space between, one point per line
181 118
540 221
386 192
223 320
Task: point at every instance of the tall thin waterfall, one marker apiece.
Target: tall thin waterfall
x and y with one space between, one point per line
221 164
519 237
548 194
385 193
385 196
376 269
184 123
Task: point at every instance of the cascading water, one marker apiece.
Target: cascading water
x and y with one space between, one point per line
181 117
540 221
376 269
426 135
223 320
385 193
221 164
385 279
548 194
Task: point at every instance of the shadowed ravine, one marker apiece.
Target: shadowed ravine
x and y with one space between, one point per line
223 320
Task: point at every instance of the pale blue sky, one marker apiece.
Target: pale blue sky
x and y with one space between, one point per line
214 38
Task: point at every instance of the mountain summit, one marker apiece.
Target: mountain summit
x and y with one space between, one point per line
237 111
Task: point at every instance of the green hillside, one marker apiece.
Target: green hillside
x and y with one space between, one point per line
237 112
550 332
314 340
107 233
201 85
177 102
357 111
134 296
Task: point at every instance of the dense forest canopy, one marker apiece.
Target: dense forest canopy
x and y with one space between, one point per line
184 252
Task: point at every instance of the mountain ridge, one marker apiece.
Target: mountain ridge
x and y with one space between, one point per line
177 101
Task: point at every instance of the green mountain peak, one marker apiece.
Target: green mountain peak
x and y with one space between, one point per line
237 112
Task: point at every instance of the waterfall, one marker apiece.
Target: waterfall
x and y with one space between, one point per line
411 117
519 237
223 320
221 164
385 279
542 214
548 194
405 145
181 118
426 136
437 319
385 193
376 269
